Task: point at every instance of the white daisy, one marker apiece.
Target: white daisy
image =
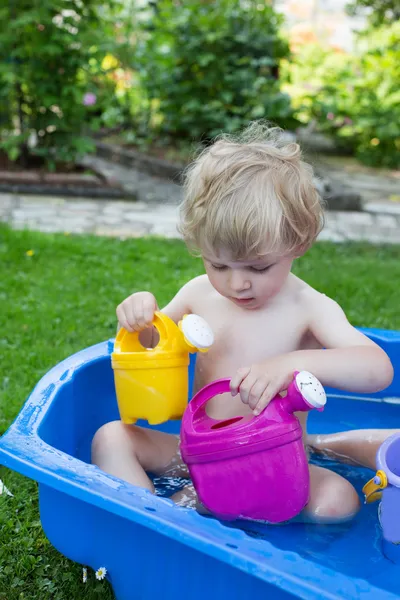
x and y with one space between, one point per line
4 490
101 573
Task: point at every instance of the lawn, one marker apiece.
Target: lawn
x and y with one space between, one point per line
59 295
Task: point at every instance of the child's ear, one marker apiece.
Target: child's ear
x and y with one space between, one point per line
300 251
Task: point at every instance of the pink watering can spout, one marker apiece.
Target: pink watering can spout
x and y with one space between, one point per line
304 393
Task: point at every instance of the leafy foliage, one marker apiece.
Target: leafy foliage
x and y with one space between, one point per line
381 12
212 66
53 52
353 98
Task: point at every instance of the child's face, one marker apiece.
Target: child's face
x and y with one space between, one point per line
247 283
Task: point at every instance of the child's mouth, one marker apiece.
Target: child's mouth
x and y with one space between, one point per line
243 300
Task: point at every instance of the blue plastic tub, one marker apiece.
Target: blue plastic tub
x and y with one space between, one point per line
153 549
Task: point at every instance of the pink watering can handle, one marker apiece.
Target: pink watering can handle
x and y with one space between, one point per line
219 386
298 398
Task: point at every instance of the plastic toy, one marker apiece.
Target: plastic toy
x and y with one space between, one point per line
152 383
252 467
385 486
152 548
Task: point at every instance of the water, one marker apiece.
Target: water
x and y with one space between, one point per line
352 548
167 486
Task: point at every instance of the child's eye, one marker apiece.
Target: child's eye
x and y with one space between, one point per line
218 267
260 270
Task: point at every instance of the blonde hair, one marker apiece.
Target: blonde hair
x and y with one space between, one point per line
250 195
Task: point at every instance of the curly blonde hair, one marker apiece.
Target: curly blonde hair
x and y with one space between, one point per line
250 194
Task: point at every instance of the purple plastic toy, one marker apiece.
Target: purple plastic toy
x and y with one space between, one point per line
386 486
251 467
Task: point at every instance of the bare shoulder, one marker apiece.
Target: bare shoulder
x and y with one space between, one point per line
197 285
201 282
199 290
320 311
315 301
327 321
308 297
305 295
186 299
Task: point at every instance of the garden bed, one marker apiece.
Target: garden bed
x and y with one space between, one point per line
131 156
67 180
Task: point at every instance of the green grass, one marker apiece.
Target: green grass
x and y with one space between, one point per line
63 298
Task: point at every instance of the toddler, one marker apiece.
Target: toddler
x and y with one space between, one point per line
250 209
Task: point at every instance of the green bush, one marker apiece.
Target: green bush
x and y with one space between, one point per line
380 12
211 66
52 84
353 98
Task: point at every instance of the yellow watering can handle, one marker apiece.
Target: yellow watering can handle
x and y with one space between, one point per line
373 489
165 327
129 341
194 335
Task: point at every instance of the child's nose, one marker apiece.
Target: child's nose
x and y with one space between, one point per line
239 281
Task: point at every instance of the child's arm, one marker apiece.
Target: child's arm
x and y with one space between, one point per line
180 304
351 361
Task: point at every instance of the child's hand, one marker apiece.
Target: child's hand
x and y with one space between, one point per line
136 312
258 384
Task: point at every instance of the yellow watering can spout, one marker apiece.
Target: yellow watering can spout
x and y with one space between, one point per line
197 333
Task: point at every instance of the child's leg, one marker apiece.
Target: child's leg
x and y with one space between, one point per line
129 452
188 498
357 446
332 498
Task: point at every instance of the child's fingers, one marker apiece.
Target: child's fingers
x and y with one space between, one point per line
237 379
130 315
137 312
123 319
135 316
257 391
245 389
265 399
139 315
149 308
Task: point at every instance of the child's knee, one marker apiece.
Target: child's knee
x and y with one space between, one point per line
108 438
335 501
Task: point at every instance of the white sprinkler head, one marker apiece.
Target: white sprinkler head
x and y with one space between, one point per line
311 389
197 332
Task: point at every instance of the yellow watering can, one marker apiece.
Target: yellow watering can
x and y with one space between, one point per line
152 383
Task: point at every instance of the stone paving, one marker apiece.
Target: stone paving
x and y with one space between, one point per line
374 185
148 188
378 223
99 217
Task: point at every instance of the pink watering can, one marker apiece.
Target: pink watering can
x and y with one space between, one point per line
251 467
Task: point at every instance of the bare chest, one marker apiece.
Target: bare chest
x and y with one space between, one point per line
243 338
